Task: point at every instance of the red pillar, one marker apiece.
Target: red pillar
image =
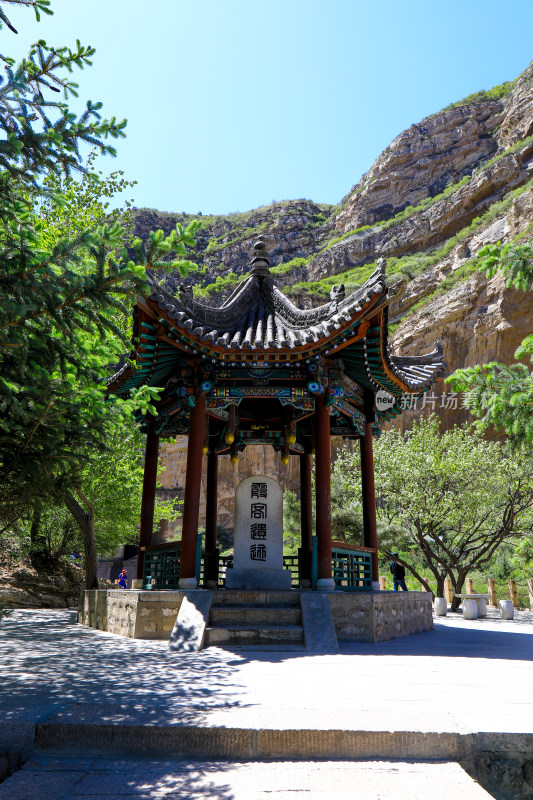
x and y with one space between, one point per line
148 496
369 496
306 502
193 478
211 518
306 519
323 494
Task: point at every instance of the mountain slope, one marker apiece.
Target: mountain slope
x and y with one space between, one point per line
443 188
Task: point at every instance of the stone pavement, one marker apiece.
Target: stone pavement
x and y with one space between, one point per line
50 777
464 677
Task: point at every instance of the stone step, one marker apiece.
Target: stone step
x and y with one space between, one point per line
254 615
63 776
259 647
256 598
253 634
86 728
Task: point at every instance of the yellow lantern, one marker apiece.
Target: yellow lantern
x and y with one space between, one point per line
234 458
291 438
205 450
229 438
285 459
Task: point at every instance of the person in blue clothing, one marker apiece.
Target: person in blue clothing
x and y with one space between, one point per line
398 574
122 578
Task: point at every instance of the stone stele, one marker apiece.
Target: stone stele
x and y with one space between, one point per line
258 536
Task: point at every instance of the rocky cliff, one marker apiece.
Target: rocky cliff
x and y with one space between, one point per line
459 179
23 586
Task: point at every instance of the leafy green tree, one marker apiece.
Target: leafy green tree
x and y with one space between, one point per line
104 498
346 510
346 516
102 511
453 497
514 261
291 522
44 299
106 502
66 286
37 5
498 394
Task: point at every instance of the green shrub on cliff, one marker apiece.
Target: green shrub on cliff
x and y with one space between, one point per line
498 394
288 266
496 93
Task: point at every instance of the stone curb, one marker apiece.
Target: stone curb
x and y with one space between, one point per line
247 743
253 744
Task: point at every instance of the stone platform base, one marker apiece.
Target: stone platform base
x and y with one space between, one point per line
275 579
357 616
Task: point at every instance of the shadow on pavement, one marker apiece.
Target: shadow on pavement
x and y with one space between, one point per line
452 642
50 664
46 660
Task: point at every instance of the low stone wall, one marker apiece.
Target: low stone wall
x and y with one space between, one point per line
131 613
357 616
379 616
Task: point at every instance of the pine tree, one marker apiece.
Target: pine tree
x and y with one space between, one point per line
62 288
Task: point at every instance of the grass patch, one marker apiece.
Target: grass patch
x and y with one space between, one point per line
294 263
336 210
414 264
223 284
342 236
240 230
458 276
496 93
353 279
237 217
220 243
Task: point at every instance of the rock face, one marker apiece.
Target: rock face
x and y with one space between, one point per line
442 190
477 321
292 229
21 586
399 202
422 162
255 461
517 122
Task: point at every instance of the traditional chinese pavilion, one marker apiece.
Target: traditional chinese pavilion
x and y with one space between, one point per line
258 370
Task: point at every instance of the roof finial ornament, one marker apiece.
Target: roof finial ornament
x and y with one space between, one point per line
260 261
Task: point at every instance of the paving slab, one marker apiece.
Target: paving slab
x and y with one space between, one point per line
426 695
60 778
464 676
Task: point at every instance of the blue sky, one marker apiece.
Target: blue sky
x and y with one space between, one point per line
233 104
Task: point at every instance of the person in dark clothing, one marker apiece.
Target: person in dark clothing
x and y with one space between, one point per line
398 574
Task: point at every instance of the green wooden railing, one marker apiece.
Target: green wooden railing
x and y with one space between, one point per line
351 567
161 568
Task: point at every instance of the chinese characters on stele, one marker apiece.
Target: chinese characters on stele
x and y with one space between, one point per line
258 530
